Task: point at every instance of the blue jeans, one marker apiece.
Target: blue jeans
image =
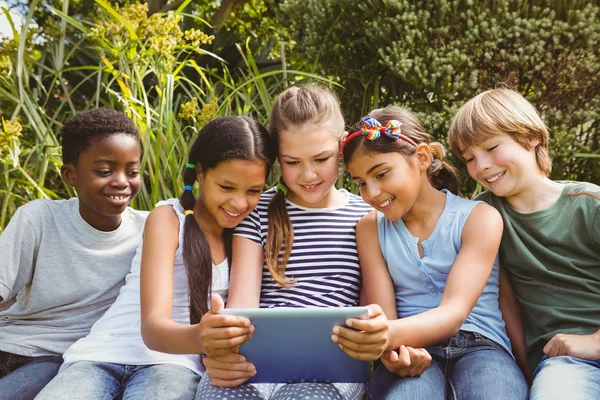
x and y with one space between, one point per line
21 377
467 367
566 377
99 380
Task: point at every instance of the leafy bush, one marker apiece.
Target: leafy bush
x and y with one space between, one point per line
432 56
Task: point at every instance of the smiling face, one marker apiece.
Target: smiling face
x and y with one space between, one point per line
389 182
231 190
502 165
106 177
309 158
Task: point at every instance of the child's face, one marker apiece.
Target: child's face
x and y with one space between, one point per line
502 165
107 178
388 182
231 190
309 158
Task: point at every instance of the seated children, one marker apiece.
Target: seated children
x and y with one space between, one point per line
429 257
550 247
183 238
65 260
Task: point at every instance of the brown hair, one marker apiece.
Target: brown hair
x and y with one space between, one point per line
496 112
225 138
440 178
298 105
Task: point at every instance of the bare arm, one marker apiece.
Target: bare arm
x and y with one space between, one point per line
511 313
246 276
159 331
466 281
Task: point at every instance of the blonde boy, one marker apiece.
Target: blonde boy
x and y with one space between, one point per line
550 247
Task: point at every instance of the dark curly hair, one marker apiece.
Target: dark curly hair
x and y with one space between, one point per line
96 124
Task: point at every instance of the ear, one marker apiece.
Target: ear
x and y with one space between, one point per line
423 154
533 143
199 175
68 174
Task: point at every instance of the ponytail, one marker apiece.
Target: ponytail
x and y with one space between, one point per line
196 252
280 237
441 174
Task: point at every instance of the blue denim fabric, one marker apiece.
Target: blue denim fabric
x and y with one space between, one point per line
21 377
87 380
467 367
566 377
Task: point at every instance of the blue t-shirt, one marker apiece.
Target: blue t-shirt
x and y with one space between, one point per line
420 282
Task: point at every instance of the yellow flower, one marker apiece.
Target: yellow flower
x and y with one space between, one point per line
197 38
190 109
209 112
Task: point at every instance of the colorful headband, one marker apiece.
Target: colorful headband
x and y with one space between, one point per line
372 129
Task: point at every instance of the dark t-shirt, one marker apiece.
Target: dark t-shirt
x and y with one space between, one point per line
552 258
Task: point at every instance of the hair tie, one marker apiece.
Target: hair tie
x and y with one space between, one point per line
190 165
189 212
188 187
372 129
281 187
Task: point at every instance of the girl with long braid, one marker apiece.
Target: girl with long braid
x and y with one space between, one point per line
183 258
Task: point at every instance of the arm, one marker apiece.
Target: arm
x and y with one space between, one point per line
468 276
18 246
215 334
245 279
511 313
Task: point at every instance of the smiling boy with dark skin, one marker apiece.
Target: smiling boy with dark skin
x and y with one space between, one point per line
65 260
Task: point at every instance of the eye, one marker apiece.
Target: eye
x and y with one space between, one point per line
360 184
226 188
322 160
255 191
103 173
133 174
381 175
492 148
468 160
292 162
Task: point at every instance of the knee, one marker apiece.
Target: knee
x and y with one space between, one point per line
565 377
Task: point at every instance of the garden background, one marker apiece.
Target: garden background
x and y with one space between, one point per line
173 65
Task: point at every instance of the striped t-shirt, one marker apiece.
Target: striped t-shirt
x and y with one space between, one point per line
324 259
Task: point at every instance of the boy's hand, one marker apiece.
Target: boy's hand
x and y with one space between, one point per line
366 339
586 347
407 362
222 334
228 371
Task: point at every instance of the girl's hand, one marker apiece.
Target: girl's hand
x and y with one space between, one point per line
222 334
366 339
407 362
586 347
228 371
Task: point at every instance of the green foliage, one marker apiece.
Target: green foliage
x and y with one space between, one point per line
432 56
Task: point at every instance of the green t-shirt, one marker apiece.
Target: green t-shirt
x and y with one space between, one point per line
552 258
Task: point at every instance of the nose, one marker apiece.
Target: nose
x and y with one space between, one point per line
309 173
240 203
482 163
120 180
372 192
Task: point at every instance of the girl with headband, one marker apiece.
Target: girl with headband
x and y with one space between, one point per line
184 257
298 248
429 258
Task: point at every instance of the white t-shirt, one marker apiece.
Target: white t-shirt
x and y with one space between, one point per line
116 337
64 272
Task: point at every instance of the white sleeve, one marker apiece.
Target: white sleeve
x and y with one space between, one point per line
18 252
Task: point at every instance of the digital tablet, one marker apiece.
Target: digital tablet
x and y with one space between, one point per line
294 345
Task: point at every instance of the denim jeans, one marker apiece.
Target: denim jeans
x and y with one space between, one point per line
21 377
566 378
467 367
99 380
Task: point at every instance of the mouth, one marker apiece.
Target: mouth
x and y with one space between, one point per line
310 188
120 197
386 204
495 177
232 215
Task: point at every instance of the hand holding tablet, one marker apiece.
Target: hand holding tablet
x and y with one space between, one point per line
295 345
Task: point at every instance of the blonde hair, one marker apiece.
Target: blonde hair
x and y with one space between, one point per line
298 105
496 112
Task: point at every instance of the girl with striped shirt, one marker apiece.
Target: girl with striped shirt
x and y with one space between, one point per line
298 247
